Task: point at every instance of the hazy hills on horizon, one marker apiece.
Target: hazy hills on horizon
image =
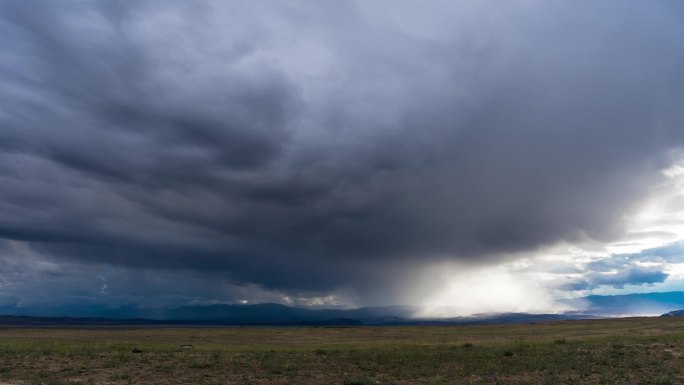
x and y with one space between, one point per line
271 313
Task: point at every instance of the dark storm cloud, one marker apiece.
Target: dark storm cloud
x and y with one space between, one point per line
304 146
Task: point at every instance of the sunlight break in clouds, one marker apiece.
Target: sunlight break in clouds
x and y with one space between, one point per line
493 290
541 281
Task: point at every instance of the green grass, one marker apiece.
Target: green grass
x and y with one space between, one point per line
623 351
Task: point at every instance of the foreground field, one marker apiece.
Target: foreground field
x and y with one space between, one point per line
620 351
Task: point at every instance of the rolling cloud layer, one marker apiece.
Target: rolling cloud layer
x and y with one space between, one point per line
304 147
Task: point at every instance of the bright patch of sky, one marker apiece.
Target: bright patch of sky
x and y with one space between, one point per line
648 258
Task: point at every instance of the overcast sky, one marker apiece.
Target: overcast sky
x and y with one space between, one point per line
433 153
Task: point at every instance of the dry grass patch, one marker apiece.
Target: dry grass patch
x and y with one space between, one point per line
623 351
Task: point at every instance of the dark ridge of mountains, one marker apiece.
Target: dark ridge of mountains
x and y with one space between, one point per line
263 314
270 312
675 313
267 313
629 304
30 321
276 314
13 320
76 321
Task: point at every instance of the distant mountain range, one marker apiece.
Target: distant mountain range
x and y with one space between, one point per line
267 313
629 304
276 314
676 313
258 314
280 319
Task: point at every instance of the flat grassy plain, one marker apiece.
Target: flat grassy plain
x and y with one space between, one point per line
615 351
